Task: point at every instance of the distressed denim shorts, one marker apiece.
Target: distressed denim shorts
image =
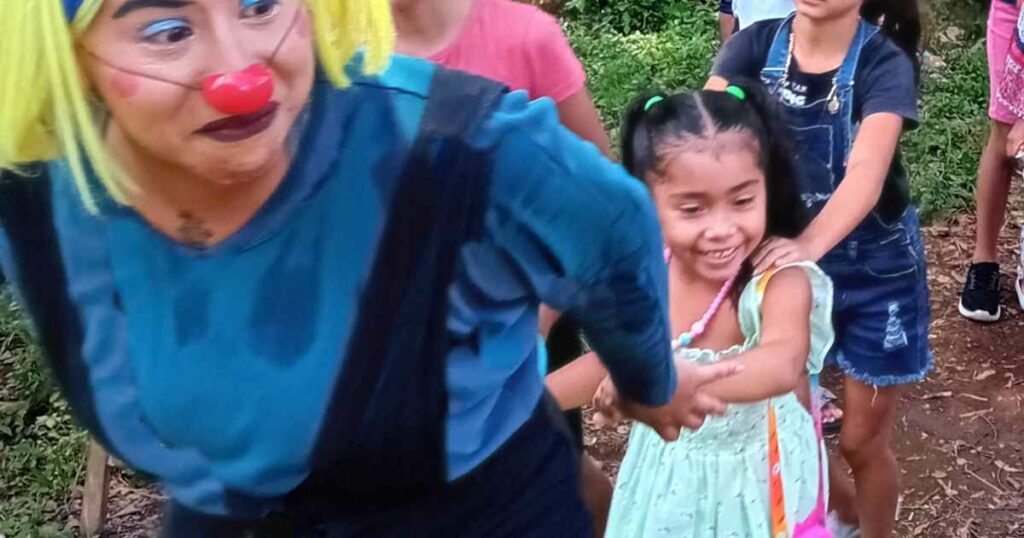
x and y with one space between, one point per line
881 307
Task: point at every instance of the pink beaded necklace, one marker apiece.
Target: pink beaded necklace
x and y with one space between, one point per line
701 324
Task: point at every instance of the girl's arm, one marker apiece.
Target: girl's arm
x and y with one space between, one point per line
580 116
778 363
716 84
726 21
574 384
855 197
858 193
889 100
557 73
776 366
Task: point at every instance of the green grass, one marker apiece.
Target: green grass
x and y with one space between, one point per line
41 449
942 155
622 65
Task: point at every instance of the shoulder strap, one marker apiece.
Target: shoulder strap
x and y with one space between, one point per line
459 104
777 496
26 216
383 435
778 49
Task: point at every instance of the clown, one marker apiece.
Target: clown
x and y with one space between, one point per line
296 279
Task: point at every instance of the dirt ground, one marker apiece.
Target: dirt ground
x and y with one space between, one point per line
959 444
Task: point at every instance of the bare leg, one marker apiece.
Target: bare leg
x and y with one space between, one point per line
994 172
597 492
865 442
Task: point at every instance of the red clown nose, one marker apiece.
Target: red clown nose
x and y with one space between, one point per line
237 94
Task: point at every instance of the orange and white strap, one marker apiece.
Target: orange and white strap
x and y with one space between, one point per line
777 497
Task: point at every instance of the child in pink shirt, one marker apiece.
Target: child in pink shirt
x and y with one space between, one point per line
511 42
524 48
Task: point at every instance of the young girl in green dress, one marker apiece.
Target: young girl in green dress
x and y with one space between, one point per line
721 178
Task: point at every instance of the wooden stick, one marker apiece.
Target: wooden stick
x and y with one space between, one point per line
94 499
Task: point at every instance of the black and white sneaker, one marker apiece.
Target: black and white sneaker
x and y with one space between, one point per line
980 298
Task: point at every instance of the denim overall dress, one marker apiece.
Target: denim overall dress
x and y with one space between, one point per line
881 306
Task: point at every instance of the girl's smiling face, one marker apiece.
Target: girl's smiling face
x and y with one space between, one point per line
712 203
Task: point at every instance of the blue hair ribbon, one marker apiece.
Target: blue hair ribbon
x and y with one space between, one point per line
71 8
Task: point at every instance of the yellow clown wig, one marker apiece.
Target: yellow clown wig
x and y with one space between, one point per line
45 110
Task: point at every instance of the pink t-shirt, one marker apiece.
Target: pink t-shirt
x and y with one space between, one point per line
519 45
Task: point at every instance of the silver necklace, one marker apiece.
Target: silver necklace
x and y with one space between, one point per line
833 93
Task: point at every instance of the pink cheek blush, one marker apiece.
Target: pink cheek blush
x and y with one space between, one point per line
302 25
125 85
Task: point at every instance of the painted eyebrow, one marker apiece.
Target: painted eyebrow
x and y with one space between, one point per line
135 5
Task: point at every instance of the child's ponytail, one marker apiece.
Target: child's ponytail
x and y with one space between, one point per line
901 21
787 215
634 137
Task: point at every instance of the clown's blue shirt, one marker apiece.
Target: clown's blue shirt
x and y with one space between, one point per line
211 369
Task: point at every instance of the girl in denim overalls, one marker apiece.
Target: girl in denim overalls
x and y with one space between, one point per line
848 88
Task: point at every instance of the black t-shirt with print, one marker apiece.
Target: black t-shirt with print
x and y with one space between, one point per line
884 82
801 88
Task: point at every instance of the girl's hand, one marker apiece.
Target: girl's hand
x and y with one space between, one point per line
688 408
776 252
606 404
1015 140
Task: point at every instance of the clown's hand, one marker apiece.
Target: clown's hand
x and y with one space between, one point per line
688 408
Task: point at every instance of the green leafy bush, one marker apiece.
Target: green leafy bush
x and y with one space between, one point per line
942 155
41 449
620 66
632 15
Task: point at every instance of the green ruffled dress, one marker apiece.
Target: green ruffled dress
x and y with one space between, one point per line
713 483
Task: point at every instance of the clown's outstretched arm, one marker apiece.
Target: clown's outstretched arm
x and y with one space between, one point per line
584 234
